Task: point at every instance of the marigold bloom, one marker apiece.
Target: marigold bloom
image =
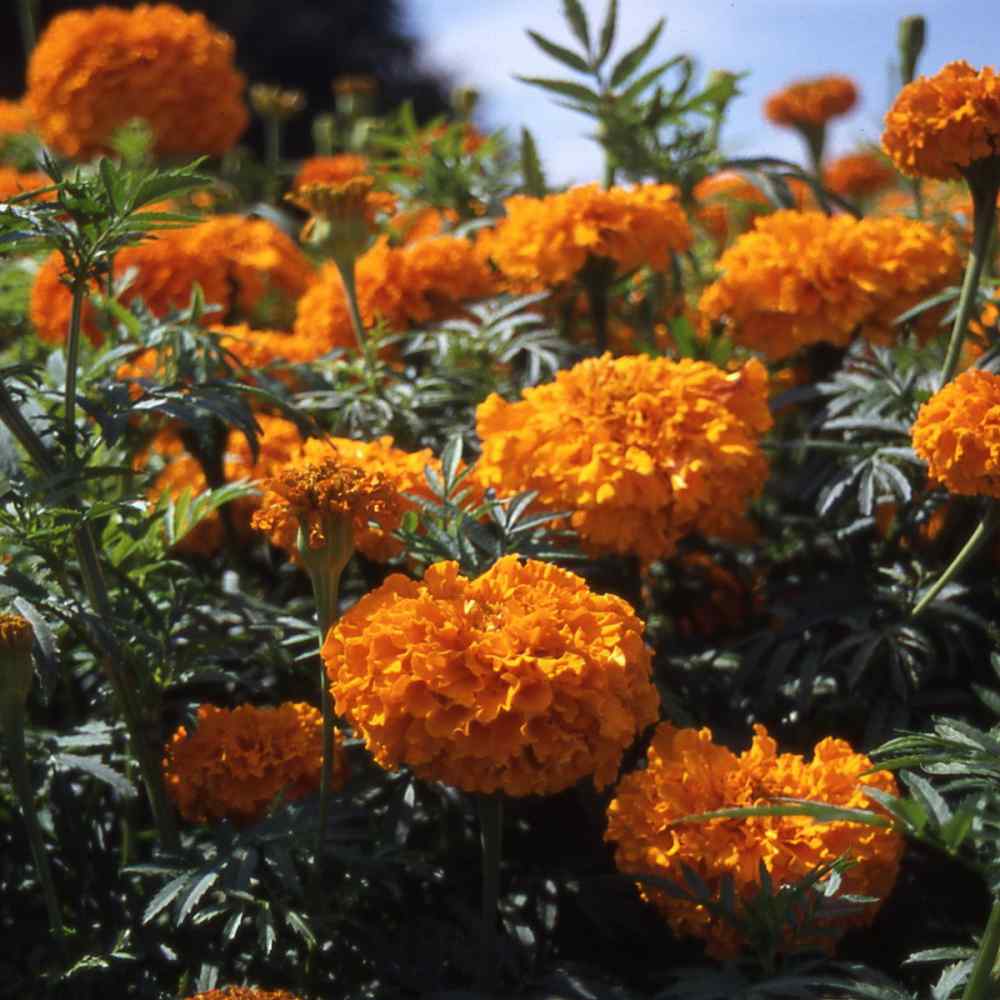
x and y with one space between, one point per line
642 450
957 432
243 993
238 760
424 281
94 70
330 169
727 203
546 241
17 671
811 102
687 774
521 681
243 265
14 182
310 494
940 125
803 277
858 175
15 118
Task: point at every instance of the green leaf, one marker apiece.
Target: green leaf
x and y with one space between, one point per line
531 166
164 897
792 807
564 87
607 33
96 768
577 18
650 77
630 62
194 896
564 56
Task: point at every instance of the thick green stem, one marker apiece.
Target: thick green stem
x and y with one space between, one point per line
815 138
980 984
27 19
326 587
596 277
984 184
17 759
72 363
982 534
491 843
346 269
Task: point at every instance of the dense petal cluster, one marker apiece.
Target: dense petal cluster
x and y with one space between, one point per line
803 277
858 175
94 70
14 182
314 494
330 169
425 280
939 125
238 760
521 681
546 241
688 774
727 203
15 118
243 265
641 450
957 432
243 993
811 102
16 632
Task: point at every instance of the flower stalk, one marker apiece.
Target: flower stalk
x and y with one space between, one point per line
490 809
980 984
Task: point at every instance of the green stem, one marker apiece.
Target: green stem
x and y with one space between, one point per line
982 534
491 843
13 724
26 16
984 184
346 269
326 587
272 140
815 137
72 363
979 986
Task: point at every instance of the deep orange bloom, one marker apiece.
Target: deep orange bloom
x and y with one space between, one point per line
330 169
521 681
957 432
641 450
940 125
15 118
803 277
858 175
546 241
243 993
424 281
94 70
239 760
14 182
811 102
687 774
728 203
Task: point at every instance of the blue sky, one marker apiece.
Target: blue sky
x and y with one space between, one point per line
484 44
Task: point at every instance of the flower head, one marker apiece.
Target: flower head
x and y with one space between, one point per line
547 241
940 125
243 993
15 182
15 118
727 203
521 681
93 71
858 175
811 102
238 760
316 496
957 432
336 169
642 451
688 774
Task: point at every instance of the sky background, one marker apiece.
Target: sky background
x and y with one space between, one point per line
483 44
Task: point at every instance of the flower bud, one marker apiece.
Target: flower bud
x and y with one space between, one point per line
16 667
912 36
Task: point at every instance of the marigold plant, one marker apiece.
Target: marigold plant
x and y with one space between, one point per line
547 241
957 432
940 125
811 102
640 450
94 70
727 203
858 175
239 760
803 277
687 774
521 681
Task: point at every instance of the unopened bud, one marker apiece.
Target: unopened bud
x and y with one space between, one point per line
16 668
273 102
912 36
464 101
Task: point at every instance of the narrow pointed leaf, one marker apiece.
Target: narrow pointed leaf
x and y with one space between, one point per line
565 56
577 18
632 59
564 87
531 166
607 38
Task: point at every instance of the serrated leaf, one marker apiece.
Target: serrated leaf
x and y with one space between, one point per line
563 55
164 897
632 59
96 768
565 88
198 890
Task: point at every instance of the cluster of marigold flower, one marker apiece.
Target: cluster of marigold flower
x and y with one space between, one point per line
523 680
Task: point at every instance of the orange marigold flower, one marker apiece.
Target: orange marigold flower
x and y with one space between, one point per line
316 495
94 70
15 118
243 265
424 281
642 450
546 241
521 681
957 433
243 993
940 125
811 102
803 277
14 182
687 774
330 169
727 203
238 760
858 175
